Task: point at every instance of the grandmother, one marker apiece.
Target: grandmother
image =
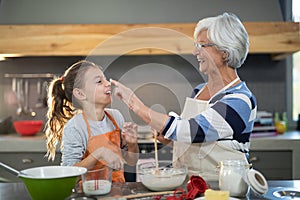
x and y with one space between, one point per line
217 120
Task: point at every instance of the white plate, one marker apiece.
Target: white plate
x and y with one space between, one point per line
203 198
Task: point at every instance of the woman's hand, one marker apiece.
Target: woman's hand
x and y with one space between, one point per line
123 92
112 159
160 137
129 133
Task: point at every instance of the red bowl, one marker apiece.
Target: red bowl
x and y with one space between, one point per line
28 127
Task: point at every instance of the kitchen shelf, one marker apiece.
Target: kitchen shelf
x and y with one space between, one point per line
276 38
29 76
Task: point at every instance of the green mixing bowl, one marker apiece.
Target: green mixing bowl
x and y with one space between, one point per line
51 182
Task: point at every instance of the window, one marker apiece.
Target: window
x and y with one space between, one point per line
296 66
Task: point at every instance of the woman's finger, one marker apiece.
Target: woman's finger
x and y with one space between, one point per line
114 82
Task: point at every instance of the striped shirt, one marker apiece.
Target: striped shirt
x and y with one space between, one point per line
228 119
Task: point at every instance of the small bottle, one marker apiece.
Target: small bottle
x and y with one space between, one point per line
276 117
285 120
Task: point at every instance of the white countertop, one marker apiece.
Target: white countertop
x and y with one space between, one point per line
16 143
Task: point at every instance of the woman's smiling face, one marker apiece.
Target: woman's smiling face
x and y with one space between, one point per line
209 57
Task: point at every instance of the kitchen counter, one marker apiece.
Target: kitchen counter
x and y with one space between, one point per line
12 191
16 143
288 142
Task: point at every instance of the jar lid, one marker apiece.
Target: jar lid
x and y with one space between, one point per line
257 182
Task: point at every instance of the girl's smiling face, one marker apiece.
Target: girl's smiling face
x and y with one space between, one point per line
97 88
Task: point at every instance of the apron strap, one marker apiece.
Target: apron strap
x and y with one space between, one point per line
109 117
112 120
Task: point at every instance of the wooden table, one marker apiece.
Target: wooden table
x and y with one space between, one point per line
15 191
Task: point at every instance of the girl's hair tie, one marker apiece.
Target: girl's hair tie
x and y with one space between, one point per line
62 78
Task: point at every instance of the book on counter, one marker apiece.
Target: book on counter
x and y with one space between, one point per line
264 125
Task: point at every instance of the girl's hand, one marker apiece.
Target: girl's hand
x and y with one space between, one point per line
129 133
112 159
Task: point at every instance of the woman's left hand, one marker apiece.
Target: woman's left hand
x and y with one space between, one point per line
129 133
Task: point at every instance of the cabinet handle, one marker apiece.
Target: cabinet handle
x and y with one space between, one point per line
253 159
27 160
143 151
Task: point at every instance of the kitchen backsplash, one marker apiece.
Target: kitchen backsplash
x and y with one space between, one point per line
162 82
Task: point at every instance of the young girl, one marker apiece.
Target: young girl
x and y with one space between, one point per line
89 134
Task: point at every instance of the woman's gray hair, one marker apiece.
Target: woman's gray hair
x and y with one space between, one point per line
229 35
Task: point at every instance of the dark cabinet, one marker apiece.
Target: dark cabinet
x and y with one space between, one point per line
274 165
24 160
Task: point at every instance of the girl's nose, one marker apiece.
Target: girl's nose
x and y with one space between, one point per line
107 83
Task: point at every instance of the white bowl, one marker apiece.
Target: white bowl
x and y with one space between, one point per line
169 177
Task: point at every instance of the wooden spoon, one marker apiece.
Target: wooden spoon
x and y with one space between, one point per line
157 172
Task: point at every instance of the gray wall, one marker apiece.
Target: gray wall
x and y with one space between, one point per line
132 11
266 78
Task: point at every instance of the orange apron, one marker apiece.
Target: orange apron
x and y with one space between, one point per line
110 140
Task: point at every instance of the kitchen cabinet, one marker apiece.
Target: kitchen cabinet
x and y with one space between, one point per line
23 160
274 165
277 38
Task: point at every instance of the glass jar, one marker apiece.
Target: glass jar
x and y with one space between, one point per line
232 177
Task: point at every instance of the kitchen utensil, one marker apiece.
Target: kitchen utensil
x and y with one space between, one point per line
28 127
97 182
196 186
44 93
39 103
14 84
156 153
48 182
11 170
149 194
6 125
20 97
171 176
27 109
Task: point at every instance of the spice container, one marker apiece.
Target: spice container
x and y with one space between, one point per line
236 177
231 177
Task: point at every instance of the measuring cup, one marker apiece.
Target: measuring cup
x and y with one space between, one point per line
196 186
